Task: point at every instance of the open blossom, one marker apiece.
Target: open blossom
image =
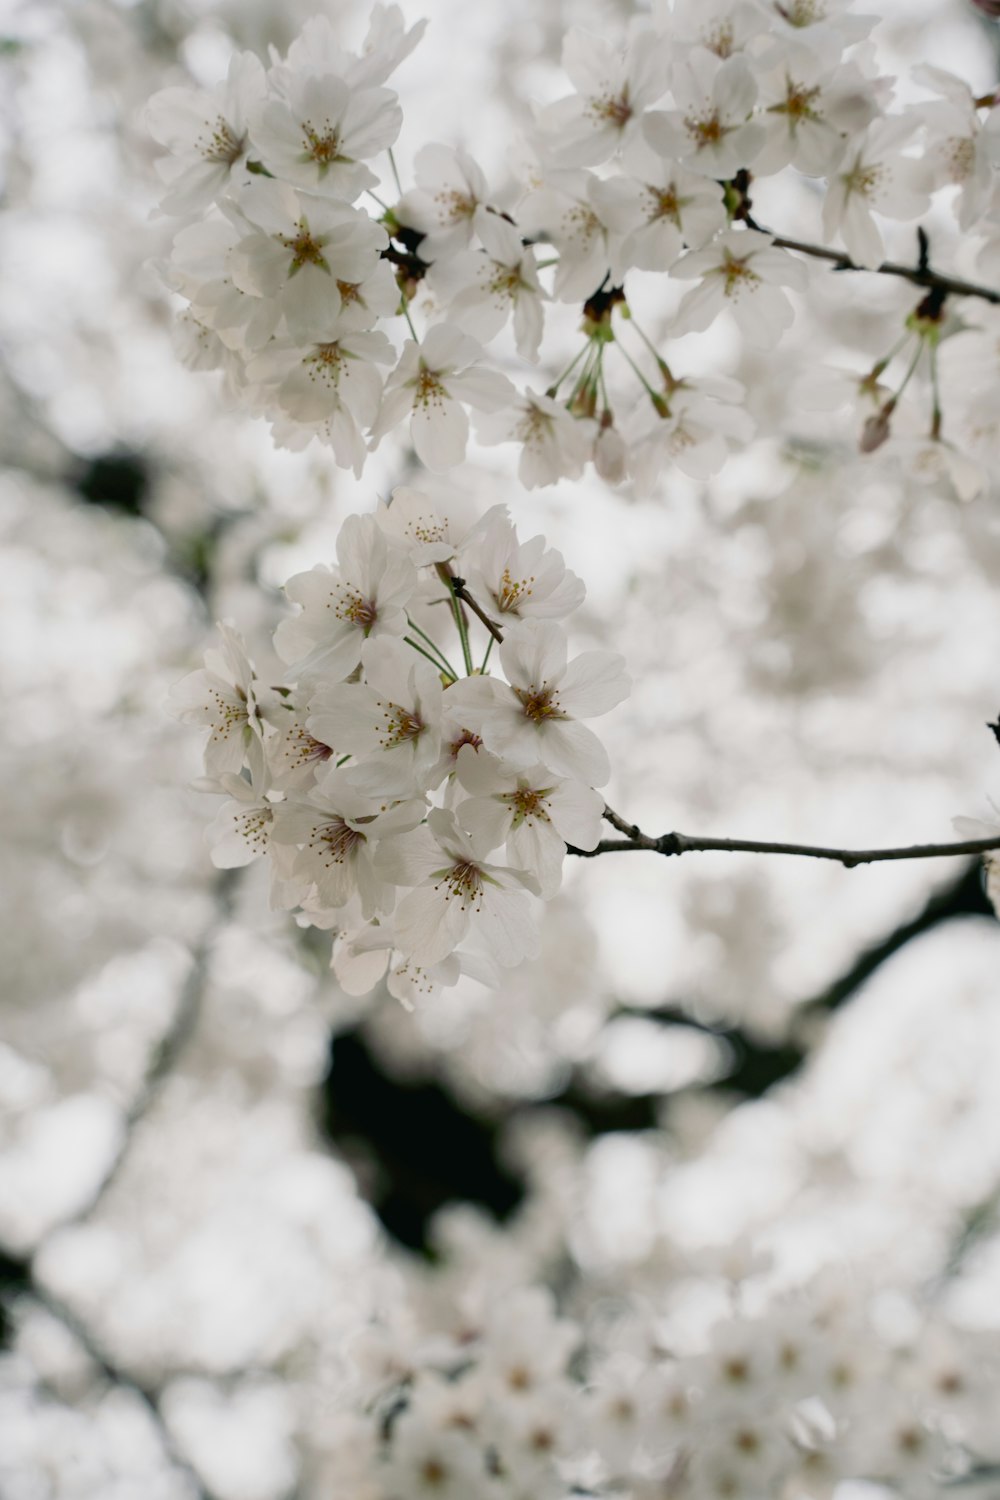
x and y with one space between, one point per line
333 830
808 106
582 222
457 893
430 384
741 271
390 723
875 176
710 129
694 428
299 249
534 813
223 696
363 598
554 444
431 530
521 580
613 90
535 716
331 387
669 210
486 288
961 147
206 132
322 131
448 205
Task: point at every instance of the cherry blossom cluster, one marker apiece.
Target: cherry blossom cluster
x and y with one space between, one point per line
419 810
300 291
514 1401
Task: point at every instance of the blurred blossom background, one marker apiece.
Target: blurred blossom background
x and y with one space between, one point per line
216 1169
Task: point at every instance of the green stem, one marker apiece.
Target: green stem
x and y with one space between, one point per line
395 173
656 397
489 648
435 664
404 307
446 664
446 576
553 389
913 365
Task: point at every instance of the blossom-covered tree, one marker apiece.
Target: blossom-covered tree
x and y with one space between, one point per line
628 454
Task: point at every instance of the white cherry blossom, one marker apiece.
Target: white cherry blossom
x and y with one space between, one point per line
364 597
583 222
875 176
710 128
390 722
223 696
455 894
741 271
532 812
321 132
206 131
613 89
521 580
449 202
554 443
486 288
535 716
430 384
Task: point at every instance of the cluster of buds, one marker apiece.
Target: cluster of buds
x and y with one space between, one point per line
417 809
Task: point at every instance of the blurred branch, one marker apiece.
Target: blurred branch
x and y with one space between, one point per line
115 1376
682 843
18 1274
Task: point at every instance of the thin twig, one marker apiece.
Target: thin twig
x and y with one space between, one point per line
919 275
461 592
682 843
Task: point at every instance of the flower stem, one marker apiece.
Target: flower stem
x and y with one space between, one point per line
447 577
489 648
433 661
395 173
446 664
553 389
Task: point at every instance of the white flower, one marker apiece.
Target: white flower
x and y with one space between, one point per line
710 129
742 271
241 831
806 107
426 1463
959 146
699 422
223 696
207 133
521 580
535 717
486 288
363 598
432 530
199 269
390 723
294 756
875 176
336 829
613 89
456 894
532 812
320 133
448 203
554 444
670 210
331 386
583 223
429 385
298 251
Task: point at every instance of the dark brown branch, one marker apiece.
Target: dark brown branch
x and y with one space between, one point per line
682 843
461 592
920 275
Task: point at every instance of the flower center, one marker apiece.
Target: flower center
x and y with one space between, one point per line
527 805
306 250
706 130
222 144
325 365
357 610
798 103
616 111
305 748
254 826
540 703
455 205
398 725
464 880
322 147
738 274
337 841
719 39
429 390
513 591
863 180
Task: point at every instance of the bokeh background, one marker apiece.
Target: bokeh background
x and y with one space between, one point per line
215 1168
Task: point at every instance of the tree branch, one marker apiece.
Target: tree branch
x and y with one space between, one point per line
920 275
682 843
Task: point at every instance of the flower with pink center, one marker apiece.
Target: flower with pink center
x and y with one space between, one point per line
535 715
456 894
430 385
521 580
363 598
223 696
390 722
